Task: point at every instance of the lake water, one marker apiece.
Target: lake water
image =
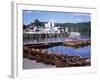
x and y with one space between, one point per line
82 51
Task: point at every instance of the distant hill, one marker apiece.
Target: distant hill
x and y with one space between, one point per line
75 27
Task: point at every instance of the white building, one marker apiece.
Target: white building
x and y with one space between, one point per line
74 34
50 27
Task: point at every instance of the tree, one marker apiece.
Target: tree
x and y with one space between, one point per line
37 23
24 26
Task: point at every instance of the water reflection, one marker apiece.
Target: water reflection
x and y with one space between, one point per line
82 51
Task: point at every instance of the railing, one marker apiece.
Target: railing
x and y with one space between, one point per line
35 37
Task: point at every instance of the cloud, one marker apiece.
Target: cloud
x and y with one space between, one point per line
81 14
28 11
52 20
79 20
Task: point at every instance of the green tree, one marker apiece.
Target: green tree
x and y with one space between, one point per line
24 26
37 23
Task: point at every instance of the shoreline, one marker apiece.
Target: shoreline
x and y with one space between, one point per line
32 64
56 59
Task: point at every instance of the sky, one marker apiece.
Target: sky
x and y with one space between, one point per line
30 16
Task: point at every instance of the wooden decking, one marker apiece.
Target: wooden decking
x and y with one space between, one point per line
44 44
